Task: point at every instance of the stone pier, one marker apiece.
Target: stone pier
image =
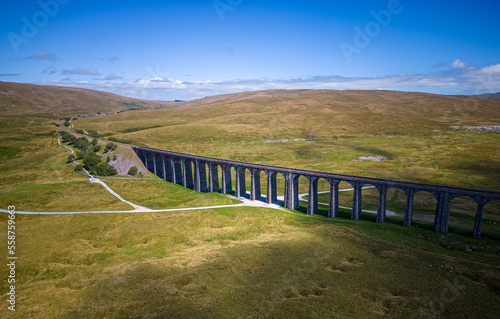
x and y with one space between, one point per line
200 184
255 192
227 188
356 200
333 207
410 193
382 203
213 177
240 186
178 178
150 162
312 201
272 194
187 172
159 168
292 191
168 168
442 216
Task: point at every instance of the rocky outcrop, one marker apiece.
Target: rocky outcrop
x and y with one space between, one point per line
125 159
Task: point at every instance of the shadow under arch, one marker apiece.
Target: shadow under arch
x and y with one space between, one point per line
397 200
142 157
159 166
488 221
275 185
463 211
177 171
424 208
214 177
226 179
150 162
320 200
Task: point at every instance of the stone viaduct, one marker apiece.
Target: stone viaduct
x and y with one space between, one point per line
190 171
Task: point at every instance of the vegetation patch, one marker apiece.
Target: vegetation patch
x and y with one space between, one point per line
92 162
273 264
9 151
136 129
125 141
130 104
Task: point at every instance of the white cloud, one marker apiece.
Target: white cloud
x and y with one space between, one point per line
465 80
459 64
112 76
43 55
492 69
81 71
50 70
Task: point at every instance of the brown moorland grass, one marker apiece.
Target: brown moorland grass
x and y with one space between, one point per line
246 262
53 101
254 262
412 130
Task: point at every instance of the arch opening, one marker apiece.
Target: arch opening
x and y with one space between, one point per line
463 211
424 209
490 226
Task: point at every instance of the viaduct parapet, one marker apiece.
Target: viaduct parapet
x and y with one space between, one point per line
202 174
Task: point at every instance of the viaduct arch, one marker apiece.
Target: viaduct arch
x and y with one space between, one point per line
190 171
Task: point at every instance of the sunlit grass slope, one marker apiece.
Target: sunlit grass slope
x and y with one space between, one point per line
50 101
246 263
35 177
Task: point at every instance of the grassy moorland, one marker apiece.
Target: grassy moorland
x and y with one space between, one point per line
50 101
247 263
35 177
33 171
256 262
34 174
411 130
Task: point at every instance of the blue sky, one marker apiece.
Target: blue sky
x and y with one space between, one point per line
166 50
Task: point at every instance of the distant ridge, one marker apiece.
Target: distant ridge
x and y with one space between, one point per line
494 96
21 98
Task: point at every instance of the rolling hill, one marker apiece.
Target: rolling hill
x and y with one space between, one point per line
20 98
414 131
495 96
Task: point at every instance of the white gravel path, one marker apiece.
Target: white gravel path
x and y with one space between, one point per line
388 212
140 209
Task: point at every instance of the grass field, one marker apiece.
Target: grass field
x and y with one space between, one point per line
247 262
413 131
257 262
